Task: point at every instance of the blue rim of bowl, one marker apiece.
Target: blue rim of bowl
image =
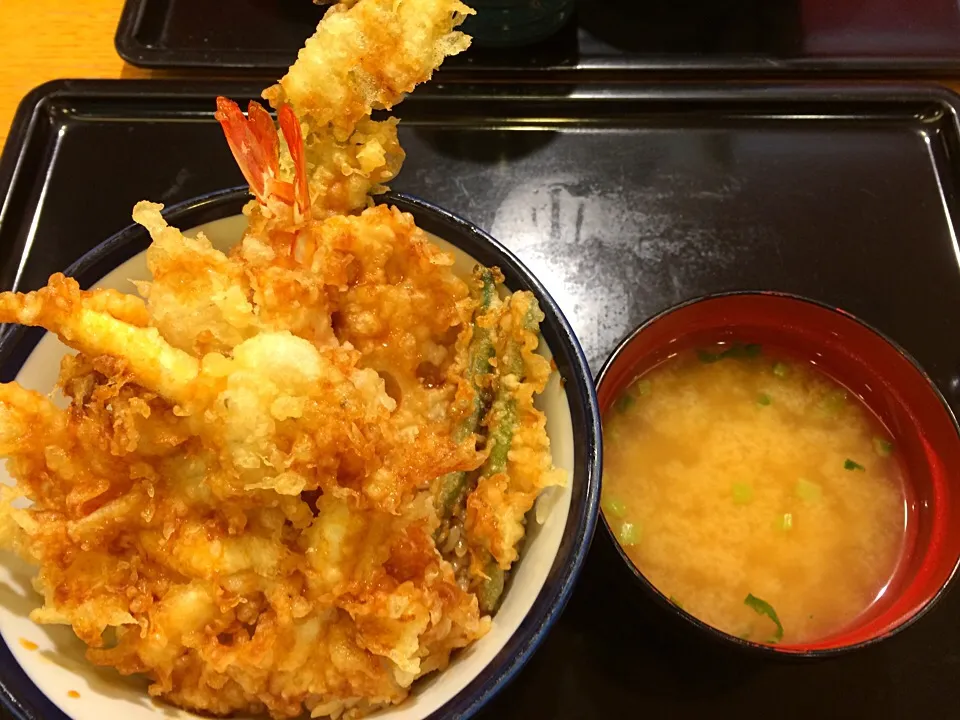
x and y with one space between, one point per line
25 701
715 633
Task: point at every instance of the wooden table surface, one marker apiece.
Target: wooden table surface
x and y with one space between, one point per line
43 40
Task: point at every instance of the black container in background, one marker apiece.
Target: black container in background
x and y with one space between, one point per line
738 38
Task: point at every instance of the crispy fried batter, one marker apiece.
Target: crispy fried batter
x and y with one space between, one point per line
364 56
241 501
496 508
271 509
268 524
368 55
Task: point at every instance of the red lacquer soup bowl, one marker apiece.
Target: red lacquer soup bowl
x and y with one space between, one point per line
890 383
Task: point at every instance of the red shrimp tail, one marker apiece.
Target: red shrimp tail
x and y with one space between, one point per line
253 142
290 126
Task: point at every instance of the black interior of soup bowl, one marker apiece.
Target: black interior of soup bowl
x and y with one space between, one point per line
23 699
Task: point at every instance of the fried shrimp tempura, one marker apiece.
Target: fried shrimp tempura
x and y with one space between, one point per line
292 477
368 55
364 56
254 522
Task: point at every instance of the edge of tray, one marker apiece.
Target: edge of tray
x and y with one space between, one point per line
633 87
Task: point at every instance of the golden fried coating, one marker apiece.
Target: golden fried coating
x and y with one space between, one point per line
253 514
264 520
496 508
363 56
368 55
244 499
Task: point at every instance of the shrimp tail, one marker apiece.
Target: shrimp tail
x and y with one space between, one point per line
290 126
255 146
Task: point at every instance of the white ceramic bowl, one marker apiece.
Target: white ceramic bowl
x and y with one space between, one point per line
57 681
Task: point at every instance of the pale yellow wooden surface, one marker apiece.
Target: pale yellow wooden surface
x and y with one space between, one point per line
43 40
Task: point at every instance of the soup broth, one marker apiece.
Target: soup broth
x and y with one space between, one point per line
755 492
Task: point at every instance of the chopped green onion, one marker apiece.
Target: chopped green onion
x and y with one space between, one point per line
752 350
629 534
624 403
762 607
676 602
614 506
742 494
642 387
808 491
763 399
780 369
849 464
709 357
882 447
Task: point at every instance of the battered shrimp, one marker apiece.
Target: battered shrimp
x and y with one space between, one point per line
292 477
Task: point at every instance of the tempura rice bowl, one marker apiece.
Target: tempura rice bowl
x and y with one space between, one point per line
55 680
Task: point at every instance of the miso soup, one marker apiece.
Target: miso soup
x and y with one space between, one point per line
755 492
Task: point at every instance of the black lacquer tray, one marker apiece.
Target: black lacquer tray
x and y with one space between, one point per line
740 37
623 200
